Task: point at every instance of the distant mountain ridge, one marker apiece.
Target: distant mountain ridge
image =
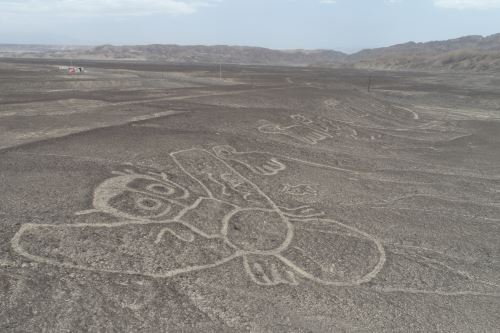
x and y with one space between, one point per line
469 53
478 43
185 54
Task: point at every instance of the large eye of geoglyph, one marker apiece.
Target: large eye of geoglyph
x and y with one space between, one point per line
148 203
162 189
140 205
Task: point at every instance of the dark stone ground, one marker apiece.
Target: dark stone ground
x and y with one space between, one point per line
156 198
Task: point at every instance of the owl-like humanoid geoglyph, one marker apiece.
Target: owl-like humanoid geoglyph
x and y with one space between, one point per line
216 216
165 229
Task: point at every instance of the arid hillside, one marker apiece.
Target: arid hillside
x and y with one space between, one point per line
186 54
470 53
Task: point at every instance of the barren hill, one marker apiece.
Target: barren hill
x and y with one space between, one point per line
474 53
192 54
470 53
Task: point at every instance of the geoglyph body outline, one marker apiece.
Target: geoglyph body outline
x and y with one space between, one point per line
287 216
280 269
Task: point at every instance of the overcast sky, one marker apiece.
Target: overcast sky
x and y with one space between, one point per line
346 25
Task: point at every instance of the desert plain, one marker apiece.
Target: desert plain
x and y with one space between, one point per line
145 197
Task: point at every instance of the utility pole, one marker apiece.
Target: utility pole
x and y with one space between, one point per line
370 80
220 72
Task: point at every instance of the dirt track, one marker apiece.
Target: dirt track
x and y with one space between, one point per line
148 197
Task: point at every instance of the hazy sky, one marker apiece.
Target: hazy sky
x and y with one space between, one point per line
346 25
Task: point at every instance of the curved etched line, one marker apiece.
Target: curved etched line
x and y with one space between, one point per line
289 237
15 242
224 187
187 172
188 208
366 278
165 178
434 292
159 237
489 220
442 264
283 246
323 166
268 168
277 278
246 265
415 115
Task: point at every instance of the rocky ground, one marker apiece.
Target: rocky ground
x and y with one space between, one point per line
140 197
